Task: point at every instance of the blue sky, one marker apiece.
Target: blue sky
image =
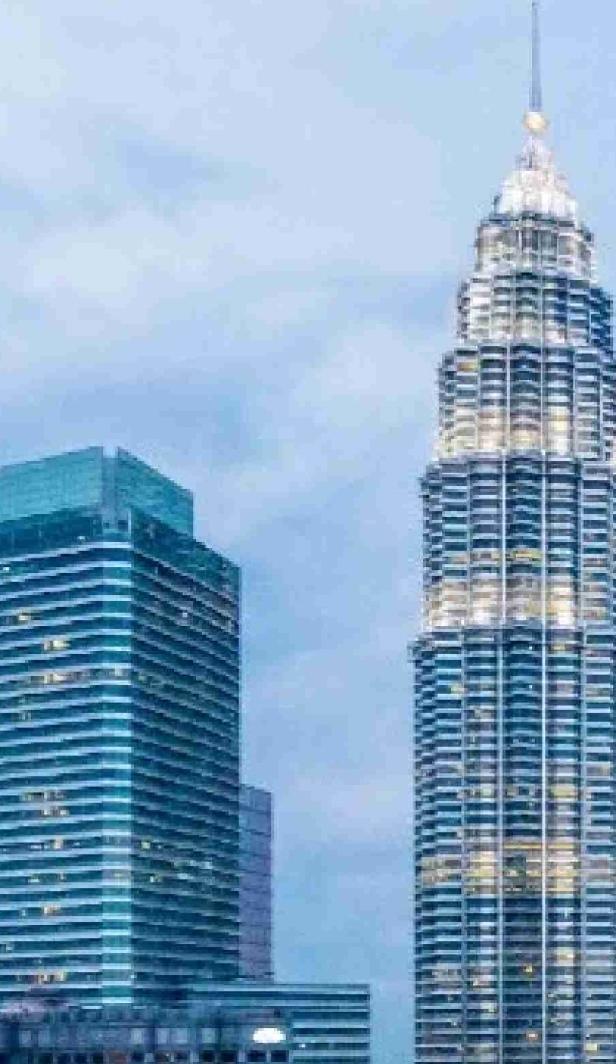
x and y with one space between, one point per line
231 235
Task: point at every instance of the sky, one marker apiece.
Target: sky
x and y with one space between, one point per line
232 232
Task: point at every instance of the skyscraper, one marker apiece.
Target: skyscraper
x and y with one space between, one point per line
119 735
515 668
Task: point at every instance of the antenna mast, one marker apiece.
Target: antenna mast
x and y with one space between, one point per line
534 120
536 89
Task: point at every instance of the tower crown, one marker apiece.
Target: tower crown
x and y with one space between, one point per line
535 186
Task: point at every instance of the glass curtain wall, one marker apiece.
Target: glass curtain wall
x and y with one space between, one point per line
119 734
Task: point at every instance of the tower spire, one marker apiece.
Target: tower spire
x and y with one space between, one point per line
534 120
536 90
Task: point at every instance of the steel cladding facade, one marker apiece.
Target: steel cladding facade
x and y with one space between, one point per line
514 720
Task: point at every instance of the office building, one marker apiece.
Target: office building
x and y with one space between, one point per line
135 871
255 866
119 735
515 804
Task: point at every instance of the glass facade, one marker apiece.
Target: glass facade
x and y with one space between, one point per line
256 961
119 732
515 678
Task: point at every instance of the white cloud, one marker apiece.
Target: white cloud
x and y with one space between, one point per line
225 228
336 416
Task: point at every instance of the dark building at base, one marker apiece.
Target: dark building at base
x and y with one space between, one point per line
238 1023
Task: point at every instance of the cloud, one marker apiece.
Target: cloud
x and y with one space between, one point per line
232 233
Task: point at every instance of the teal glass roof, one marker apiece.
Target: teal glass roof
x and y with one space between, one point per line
90 478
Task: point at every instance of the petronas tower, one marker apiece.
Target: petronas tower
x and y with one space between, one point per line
515 667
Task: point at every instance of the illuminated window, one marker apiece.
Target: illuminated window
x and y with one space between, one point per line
55 644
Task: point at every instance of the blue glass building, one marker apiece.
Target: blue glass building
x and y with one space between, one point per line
119 735
515 669
255 868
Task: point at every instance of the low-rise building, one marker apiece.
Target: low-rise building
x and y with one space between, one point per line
235 1023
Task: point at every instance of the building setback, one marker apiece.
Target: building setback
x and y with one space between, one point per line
119 735
515 678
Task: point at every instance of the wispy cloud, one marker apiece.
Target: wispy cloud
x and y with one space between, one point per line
231 236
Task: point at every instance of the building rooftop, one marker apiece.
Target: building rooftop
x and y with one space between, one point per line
92 479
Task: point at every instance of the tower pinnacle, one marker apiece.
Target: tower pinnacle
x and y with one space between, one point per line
534 120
